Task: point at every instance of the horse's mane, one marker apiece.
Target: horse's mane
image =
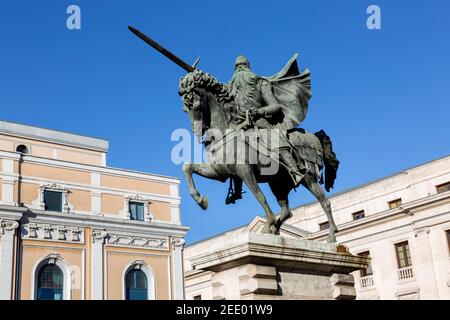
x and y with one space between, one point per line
201 80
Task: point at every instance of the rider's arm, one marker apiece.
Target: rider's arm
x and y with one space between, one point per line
271 104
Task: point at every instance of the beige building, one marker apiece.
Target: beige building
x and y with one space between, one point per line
73 228
401 221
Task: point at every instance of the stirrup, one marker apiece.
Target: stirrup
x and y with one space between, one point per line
296 177
231 198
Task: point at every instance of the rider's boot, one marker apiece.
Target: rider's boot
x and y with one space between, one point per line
236 194
296 170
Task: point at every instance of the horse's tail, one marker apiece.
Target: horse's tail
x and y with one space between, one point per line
331 163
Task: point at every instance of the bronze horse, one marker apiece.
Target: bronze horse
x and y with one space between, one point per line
209 106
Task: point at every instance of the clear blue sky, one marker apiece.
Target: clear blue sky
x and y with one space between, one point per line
382 95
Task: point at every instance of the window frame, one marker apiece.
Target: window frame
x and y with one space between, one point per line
398 203
355 214
60 275
325 223
52 258
365 272
446 185
151 278
133 272
22 148
406 253
136 204
148 216
66 207
51 191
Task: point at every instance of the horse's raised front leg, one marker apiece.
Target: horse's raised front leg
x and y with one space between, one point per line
245 172
311 183
205 170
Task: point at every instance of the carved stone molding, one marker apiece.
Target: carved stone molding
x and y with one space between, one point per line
75 234
406 211
48 232
178 242
8 225
137 242
52 257
98 236
422 230
32 229
39 203
148 216
62 233
138 264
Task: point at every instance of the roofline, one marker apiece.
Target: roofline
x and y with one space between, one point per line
216 235
372 182
293 228
53 136
143 173
332 196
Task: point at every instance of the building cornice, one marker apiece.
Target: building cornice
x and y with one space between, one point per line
409 208
53 136
373 182
105 223
92 168
12 212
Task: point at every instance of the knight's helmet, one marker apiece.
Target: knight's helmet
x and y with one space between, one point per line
241 60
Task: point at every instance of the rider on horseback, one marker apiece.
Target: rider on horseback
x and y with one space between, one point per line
255 95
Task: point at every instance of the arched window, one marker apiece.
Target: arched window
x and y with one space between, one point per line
22 148
50 283
136 285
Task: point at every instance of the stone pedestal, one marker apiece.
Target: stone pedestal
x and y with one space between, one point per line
260 266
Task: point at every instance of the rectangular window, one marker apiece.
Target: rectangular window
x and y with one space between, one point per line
443 187
324 225
199 297
403 254
395 203
53 200
358 215
137 211
368 271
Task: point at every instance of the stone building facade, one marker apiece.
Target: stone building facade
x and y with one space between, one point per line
73 228
402 222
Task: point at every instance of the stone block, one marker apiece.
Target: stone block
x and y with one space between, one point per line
254 266
257 271
259 286
344 292
342 279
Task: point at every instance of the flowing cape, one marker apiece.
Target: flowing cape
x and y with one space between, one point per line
292 89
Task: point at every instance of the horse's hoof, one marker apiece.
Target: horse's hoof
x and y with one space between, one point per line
275 230
203 203
331 238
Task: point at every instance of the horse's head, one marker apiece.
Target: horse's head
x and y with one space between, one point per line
195 90
194 97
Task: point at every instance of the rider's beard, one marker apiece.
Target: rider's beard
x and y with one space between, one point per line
244 88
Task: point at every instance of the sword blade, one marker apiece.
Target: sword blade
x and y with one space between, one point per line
162 50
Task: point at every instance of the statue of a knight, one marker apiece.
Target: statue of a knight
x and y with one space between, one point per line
279 102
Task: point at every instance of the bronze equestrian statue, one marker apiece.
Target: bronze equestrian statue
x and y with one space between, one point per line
249 127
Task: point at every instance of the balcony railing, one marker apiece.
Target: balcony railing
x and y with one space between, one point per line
405 273
366 282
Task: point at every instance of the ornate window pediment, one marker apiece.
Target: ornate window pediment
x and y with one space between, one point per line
53 188
137 199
